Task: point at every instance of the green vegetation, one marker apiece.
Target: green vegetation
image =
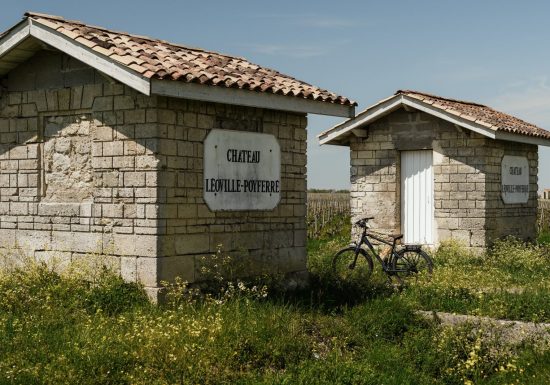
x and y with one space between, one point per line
544 237
60 329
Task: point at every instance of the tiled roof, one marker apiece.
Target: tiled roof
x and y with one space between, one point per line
480 114
158 59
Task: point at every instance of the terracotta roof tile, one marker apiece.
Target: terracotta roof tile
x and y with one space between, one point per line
158 59
480 114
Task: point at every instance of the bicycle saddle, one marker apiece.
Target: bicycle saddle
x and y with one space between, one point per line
396 236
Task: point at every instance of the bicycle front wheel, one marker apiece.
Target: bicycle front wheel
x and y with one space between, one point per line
352 266
407 263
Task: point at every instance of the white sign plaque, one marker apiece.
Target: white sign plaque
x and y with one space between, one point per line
515 179
242 170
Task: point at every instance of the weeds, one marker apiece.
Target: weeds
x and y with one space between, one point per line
56 328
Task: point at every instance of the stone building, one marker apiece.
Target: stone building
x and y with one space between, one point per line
103 138
434 168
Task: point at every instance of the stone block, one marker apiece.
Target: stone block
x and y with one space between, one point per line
177 266
110 179
300 238
466 204
28 110
251 240
103 103
124 102
458 178
462 236
76 97
147 271
103 133
166 116
128 269
146 161
147 130
18 152
192 244
472 223
443 235
64 99
123 162
134 116
7 238
468 187
32 240
59 209
134 179
291 259
59 261
89 93
113 148
77 242
19 208
112 210
478 239
132 245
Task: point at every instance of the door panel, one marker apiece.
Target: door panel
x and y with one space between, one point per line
417 209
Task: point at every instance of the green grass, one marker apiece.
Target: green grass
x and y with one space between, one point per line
544 237
60 329
511 281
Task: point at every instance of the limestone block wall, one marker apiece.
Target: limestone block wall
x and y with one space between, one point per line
467 169
88 165
78 166
518 220
274 240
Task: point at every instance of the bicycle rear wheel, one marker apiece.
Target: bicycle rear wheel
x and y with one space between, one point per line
350 266
407 263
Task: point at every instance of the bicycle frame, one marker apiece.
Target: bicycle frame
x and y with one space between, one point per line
365 240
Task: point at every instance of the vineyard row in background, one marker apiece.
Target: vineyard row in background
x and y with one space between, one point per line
325 210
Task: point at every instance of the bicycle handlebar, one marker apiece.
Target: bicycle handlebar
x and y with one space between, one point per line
363 222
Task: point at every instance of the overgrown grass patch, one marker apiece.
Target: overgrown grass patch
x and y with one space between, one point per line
544 237
62 329
511 281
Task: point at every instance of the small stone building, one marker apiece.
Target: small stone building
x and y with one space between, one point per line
104 137
434 168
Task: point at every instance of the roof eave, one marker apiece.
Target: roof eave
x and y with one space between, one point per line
338 134
520 138
88 56
33 28
14 36
216 94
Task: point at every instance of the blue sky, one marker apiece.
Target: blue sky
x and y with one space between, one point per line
491 52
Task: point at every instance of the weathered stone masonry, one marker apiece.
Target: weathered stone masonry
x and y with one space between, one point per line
89 165
467 178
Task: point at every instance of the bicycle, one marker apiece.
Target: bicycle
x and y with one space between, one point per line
401 262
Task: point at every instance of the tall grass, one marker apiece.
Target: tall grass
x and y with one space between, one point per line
60 329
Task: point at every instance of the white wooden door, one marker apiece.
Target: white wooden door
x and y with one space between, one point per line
417 208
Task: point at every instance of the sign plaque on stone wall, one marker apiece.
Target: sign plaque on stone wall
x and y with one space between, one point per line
515 179
242 170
